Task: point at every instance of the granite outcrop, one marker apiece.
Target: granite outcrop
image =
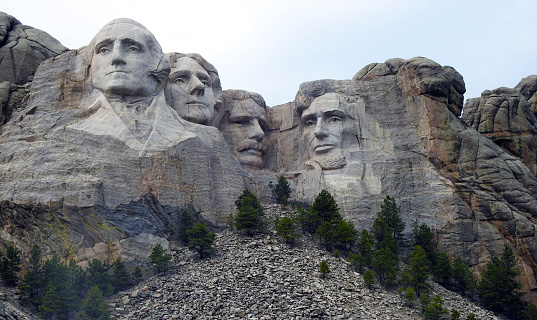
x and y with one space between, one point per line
102 163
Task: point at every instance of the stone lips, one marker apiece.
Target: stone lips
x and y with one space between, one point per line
407 141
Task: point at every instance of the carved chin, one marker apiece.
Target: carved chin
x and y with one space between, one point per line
252 159
329 163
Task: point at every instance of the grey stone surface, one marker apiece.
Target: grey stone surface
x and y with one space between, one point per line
194 89
243 126
88 144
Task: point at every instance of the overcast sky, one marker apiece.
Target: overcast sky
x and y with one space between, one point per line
270 47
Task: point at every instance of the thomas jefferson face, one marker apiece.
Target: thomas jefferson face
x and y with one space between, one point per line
244 133
190 89
323 127
122 62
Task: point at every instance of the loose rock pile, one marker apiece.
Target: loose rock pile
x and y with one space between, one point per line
262 278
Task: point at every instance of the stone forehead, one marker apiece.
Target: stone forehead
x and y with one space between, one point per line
187 63
247 107
323 103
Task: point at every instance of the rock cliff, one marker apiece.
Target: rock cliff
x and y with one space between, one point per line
95 163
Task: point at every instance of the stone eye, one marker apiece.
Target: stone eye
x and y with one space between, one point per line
335 119
133 49
310 123
102 50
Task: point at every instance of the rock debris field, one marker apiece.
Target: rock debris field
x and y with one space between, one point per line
261 277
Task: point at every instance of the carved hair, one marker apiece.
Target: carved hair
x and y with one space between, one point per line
240 95
211 70
160 68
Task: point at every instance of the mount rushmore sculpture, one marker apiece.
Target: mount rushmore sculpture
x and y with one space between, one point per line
103 147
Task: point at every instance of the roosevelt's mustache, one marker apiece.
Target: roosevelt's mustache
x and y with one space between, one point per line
252 144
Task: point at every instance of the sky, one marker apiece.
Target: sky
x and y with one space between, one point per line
270 47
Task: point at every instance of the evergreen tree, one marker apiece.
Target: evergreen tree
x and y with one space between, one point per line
61 296
472 316
160 259
345 234
308 219
357 262
443 269
121 279
324 269
98 276
286 228
499 286
388 226
385 264
419 269
369 278
463 278
32 287
455 315
137 275
326 208
434 309
365 245
250 216
10 266
281 190
410 296
424 237
77 276
186 222
200 239
94 306
51 306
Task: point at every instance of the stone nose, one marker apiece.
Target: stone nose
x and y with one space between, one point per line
196 87
320 131
118 56
255 131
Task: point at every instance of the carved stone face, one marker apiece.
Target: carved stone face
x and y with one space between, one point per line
323 124
122 62
244 133
189 88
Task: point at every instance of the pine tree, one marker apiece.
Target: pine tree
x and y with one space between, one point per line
326 208
160 259
286 229
365 245
186 222
250 215
10 266
463 278
357 261
345 234
423 236
308 219
137 275
281 191
434 309
443 269
94 306
410 296
63 293
369 278
388 225
98 276
77 276
499 286
455 315
32 286
419 269
200 239
121 279
385 264
51 305
324 269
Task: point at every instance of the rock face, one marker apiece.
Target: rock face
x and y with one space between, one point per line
22 49
98 162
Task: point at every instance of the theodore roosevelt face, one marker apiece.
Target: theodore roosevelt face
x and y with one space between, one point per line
244 131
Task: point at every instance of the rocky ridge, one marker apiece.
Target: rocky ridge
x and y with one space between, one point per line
263 278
